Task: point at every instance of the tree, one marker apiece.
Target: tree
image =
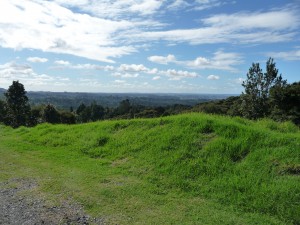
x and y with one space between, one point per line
18 108
50 114
97 112
83 113
255 100
3 111
80 108
35 115
124 107
286 102
67 117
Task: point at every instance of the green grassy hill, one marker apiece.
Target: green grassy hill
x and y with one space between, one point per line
186 169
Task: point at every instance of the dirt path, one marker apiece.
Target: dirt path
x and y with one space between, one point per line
19 206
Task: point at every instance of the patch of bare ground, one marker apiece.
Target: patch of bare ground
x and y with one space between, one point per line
20 205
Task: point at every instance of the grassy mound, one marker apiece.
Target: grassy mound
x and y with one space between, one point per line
186 169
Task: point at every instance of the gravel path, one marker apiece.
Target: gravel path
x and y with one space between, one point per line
19 206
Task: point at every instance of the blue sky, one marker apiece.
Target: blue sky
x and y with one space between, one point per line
145 46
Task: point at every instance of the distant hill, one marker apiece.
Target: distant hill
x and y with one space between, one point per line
65 100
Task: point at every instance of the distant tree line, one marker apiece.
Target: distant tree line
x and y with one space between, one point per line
266 95
15 110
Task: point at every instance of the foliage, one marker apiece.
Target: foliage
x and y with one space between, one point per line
88 113
18 108
255 100
65 100
3 111
67 117
97 112
286 103
228 106
266 95
124 107
93 112
50 114
35 115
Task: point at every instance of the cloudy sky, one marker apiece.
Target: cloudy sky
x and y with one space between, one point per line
154 46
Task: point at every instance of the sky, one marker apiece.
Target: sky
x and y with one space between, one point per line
145 46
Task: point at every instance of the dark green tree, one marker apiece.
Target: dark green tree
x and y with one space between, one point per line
83 113
124 107
3 111
18 108
97 112
80 108
67 117
35 115
285 102
50 114
255 99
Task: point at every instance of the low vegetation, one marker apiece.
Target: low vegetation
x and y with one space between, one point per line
185 169
16 111
266 95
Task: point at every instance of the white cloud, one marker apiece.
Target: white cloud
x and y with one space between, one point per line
152 71
13 71
115 8
146 7
207 4
197 4
47 26
73 2
289 55
252 27
108 68
221 61
62 62
105 30
273 21
162 59
25 74
37 59
200 61
132 67
178 4
87 66
213 77
122 8
126 75
120 81
133 70
178 74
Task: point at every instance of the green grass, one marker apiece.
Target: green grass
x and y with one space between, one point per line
186 169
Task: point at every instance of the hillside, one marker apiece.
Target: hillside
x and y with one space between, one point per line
185 169
65 100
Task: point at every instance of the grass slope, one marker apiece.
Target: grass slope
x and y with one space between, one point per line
186 169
